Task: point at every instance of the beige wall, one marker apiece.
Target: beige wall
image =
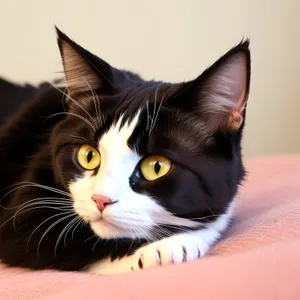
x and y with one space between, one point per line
171 40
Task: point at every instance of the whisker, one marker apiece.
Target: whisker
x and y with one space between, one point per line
79 137
154 106
62 233
75 102
68 209
49 228
147 106
43 202
96 104
156 235
155 119
63 98
73 224
59 214
92 236
146 235
33 184
95 244
46 199
163 221
24 210
75 115
75 227
131 231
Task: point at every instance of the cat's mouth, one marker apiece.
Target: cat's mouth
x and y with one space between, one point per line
119 223
107 227
105 221
106 230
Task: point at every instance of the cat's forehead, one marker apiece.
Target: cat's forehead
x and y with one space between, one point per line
142 119
120 132
151 91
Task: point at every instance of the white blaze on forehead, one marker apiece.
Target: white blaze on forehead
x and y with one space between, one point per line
118 160
118 135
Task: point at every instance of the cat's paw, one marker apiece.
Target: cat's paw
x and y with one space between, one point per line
172 250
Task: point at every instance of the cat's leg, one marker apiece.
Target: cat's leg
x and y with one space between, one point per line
183 247
117 266
176 249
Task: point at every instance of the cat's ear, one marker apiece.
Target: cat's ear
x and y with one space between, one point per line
83 70
220 93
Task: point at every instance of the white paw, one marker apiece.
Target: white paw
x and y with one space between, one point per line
173 250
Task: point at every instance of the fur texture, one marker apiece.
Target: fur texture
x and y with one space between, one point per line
48 218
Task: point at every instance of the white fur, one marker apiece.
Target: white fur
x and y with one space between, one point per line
176 249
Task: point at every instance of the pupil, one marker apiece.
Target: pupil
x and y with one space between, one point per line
157 167
89 156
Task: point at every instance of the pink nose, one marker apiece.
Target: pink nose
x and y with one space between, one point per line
101 201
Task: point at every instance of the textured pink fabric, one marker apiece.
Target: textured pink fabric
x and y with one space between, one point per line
258 259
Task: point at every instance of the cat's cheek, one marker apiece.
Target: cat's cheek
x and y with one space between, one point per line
87 211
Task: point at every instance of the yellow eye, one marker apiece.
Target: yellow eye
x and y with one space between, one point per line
154 167
88 157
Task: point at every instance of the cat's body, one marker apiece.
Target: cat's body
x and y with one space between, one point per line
58 214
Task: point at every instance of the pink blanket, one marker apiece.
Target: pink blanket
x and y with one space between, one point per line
258 259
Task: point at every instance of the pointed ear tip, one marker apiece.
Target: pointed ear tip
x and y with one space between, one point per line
57 30
242 49
244 46
60 35
245 42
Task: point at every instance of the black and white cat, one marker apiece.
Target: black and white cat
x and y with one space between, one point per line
122 174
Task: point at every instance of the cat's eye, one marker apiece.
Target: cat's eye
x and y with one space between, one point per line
154 167
88 157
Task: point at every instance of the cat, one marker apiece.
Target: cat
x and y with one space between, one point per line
114 173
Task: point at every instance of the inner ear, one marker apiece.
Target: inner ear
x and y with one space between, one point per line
80 77
223 94
219 95
84 72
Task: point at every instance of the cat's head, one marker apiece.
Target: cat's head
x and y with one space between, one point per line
145 158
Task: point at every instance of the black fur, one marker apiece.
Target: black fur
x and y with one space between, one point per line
37 145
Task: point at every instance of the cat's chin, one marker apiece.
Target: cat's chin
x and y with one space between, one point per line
106 230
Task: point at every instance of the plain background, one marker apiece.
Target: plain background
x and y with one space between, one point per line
170 40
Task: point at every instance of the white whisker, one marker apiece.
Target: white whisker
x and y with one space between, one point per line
49 228
65 230
75 115
147 106
75 102
79 137
155 119
92 236
32 184
95 245
59 214
80 221
24 210
46 200
58 201
75 222
96 104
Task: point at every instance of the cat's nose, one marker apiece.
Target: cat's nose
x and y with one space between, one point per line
101 201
